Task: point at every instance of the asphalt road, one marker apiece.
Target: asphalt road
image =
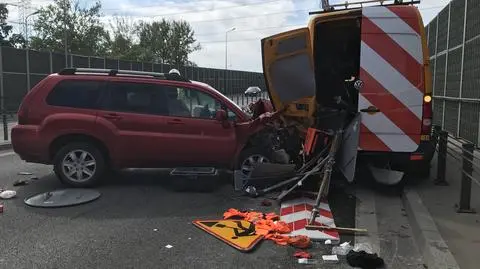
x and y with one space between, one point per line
118 230
139 214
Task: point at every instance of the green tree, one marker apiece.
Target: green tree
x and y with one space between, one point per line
123 36
167 41
6 36
85 33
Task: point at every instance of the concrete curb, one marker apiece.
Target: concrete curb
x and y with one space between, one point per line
433 248
5 146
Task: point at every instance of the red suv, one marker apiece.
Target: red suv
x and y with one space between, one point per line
88 121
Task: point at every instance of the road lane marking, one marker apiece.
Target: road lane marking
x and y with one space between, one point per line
7 154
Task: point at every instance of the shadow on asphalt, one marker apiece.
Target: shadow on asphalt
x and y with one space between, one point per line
141 194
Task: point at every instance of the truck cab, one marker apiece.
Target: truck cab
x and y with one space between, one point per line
371 60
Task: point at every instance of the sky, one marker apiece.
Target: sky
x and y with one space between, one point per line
211 19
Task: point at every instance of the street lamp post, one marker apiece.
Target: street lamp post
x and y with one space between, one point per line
65 33
226 54
26 26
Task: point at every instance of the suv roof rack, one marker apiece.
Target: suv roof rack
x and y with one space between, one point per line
116 72
360 4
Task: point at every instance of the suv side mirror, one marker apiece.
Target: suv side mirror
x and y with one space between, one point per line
221 115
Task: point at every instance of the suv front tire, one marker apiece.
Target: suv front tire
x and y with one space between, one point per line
79 164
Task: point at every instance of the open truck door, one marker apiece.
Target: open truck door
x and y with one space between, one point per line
392 70
347 155
289 72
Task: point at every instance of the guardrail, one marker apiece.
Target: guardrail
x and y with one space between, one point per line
470 165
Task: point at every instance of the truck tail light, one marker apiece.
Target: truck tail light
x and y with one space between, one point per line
427 115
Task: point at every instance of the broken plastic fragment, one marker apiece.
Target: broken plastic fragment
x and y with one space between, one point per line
308 261
25 173
343 249
155 230
302 254
169 246
363 247
8 194
20 182
330 258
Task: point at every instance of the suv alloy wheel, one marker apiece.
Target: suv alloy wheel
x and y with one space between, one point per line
79 164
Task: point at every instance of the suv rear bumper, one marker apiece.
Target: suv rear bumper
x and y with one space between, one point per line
28 145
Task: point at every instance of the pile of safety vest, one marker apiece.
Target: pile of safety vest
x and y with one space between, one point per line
270 227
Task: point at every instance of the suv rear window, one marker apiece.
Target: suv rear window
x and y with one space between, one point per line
76 94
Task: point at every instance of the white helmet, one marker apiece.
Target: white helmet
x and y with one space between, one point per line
174 71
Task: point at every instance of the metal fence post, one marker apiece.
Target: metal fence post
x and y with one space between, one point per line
442 158
435 133
5 126
466 187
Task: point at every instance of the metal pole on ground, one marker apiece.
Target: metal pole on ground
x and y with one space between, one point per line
466 187
442 158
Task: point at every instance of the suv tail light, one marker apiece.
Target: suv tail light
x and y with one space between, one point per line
427 115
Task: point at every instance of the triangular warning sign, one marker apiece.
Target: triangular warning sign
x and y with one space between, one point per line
239 234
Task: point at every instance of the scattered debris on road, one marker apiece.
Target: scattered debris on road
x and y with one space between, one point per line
302 254
339 229
25 173
63 198
20 182
169 246
8 194
239 234
364 260
330 258
308 261
343 249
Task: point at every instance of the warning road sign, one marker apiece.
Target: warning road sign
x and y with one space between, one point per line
239 234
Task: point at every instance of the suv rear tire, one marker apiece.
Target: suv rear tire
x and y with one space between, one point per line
79 164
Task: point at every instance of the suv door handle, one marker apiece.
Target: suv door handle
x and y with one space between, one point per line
370 109
175 121
112 116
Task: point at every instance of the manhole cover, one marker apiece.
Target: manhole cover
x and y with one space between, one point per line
61 198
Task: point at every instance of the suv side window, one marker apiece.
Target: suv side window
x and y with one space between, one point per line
142 98
76 94
186 102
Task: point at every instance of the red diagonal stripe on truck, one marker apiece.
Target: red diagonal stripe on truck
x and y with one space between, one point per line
393 53
390 106
408 15
370 141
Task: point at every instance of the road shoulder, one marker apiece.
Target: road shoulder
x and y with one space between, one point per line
433 248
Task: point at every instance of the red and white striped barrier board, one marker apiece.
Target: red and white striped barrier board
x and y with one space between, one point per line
391 62
296 213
